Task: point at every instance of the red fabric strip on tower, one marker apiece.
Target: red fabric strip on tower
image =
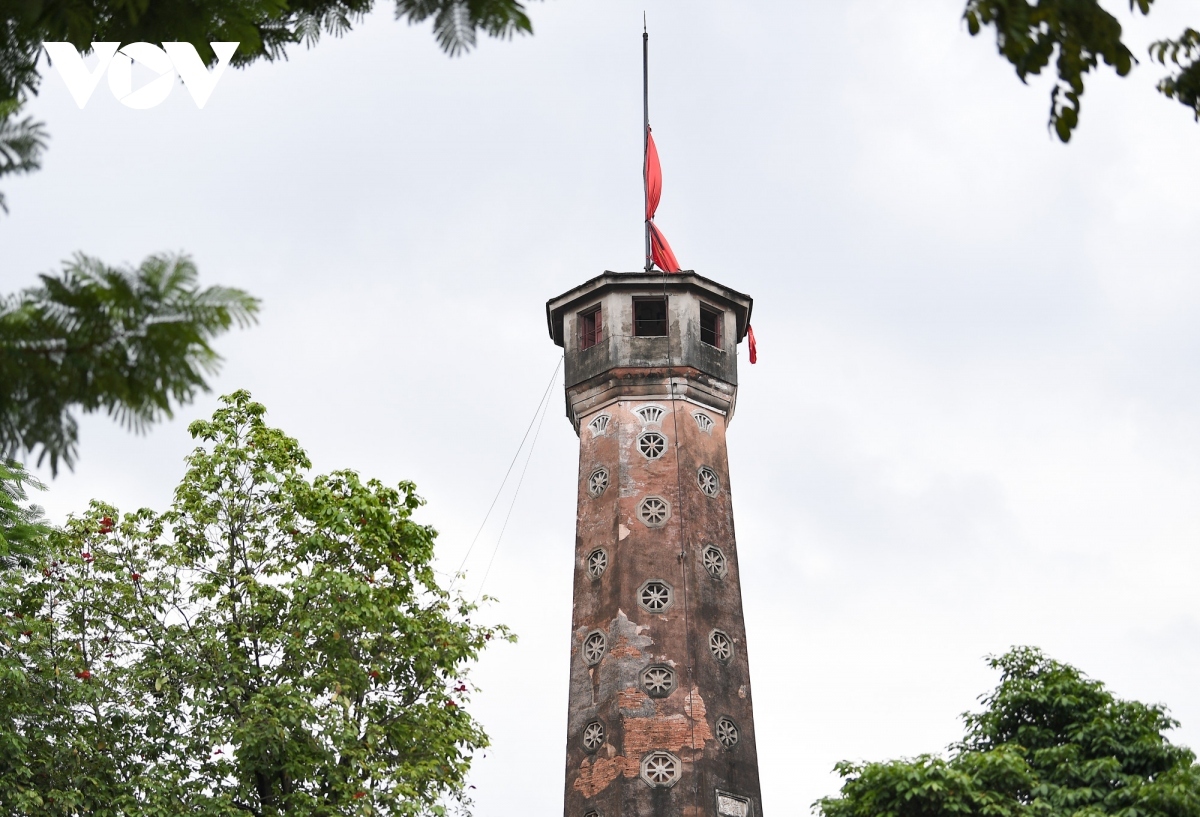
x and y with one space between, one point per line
753 345
653 177
660 250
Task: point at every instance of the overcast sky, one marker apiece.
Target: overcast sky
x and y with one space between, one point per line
974 421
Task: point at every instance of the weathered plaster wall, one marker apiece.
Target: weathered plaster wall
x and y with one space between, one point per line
683 723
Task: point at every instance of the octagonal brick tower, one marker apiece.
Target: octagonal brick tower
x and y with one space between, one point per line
660 721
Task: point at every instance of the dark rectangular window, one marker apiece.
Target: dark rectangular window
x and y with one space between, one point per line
710 326
650 317
591 325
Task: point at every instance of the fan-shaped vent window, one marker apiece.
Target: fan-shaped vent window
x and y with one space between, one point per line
654 511
593 736
593 648
658 680
727 732
597 563
704 421
720 645
650 414
598 481
599 425
714 561
652 445
708 481
655 596
660 769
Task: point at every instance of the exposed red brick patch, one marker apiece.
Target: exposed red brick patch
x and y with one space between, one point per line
621 648
643 735
631 698
597 774
673 733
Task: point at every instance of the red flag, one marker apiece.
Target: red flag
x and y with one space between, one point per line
753 345
660 250
653 177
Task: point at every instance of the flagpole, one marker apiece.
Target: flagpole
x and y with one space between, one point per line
646 133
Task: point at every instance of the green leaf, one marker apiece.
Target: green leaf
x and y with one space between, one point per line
250 635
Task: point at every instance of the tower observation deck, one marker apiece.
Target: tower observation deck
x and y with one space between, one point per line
660 719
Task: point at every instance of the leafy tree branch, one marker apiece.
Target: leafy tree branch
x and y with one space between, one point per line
264 29
131 342
1050 742
273 644
1078 35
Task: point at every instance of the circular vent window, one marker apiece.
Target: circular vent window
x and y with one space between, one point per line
660 769
593 736
593 648
655 596
658 680
598 481
721 646
727 732
714 561
597 563
708 481
652 445
654 511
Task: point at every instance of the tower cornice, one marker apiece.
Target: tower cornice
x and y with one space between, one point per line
642 335
688 280
650 383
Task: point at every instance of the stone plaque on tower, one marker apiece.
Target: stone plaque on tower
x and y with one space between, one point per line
660 721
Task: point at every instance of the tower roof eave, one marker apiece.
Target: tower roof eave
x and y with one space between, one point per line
741 305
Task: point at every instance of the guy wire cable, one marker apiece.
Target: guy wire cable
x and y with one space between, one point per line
516 493
499 490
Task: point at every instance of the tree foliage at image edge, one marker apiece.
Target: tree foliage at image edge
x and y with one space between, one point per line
94 337
274 644
264 30
1050 742
1079 35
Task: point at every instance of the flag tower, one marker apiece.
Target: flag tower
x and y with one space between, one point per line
660 719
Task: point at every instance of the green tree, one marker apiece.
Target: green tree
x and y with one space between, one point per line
21 144
128 341
264 29
22 527
274 644
1050 743
1078 35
